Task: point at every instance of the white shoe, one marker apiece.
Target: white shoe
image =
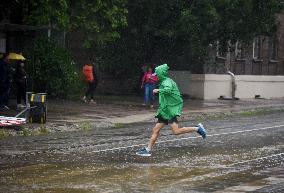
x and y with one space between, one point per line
144 152
84 99
92 102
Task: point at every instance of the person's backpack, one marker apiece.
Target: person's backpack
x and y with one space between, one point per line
88 73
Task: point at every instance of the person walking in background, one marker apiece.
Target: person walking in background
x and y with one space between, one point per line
149 82
170 107
90 75
21 83
5 81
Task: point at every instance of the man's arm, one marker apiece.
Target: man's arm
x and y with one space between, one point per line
166 88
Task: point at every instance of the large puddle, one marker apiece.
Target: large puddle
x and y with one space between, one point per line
238 162
173 169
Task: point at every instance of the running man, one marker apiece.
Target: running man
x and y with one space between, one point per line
170 107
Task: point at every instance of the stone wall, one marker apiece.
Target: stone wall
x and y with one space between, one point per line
212 86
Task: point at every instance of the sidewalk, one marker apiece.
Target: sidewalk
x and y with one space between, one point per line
130 110
115 110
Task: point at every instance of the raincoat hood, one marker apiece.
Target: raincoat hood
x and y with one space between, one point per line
162 72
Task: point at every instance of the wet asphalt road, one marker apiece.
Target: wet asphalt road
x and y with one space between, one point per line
241 154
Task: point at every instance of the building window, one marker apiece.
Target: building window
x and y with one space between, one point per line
220 53
256 48
239 50
272 48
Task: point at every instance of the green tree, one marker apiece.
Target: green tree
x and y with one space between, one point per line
179 32
244 19
99 20
51 69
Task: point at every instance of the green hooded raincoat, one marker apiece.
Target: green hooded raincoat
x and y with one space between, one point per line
170 101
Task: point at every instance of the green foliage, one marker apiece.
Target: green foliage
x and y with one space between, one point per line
51 13
4 134
43 130
179 32
33 132
25 132
245 19
52 69
118 125
124 34
86 126
99 20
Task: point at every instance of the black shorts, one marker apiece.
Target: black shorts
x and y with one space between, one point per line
166 122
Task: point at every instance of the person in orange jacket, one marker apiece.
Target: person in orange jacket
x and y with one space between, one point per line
90 74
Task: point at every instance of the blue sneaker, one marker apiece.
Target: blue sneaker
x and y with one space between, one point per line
201 130
144 152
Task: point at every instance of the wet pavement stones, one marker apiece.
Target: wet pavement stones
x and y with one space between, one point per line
67 115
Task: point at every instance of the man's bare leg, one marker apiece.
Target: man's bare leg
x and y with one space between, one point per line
155 135
177 131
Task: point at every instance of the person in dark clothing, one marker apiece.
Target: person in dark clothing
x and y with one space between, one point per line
91 77
5 81
21 84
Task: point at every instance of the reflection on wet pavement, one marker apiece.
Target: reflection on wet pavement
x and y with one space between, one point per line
249 160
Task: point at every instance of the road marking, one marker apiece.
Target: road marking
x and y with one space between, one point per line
256 159
185 138
264 128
